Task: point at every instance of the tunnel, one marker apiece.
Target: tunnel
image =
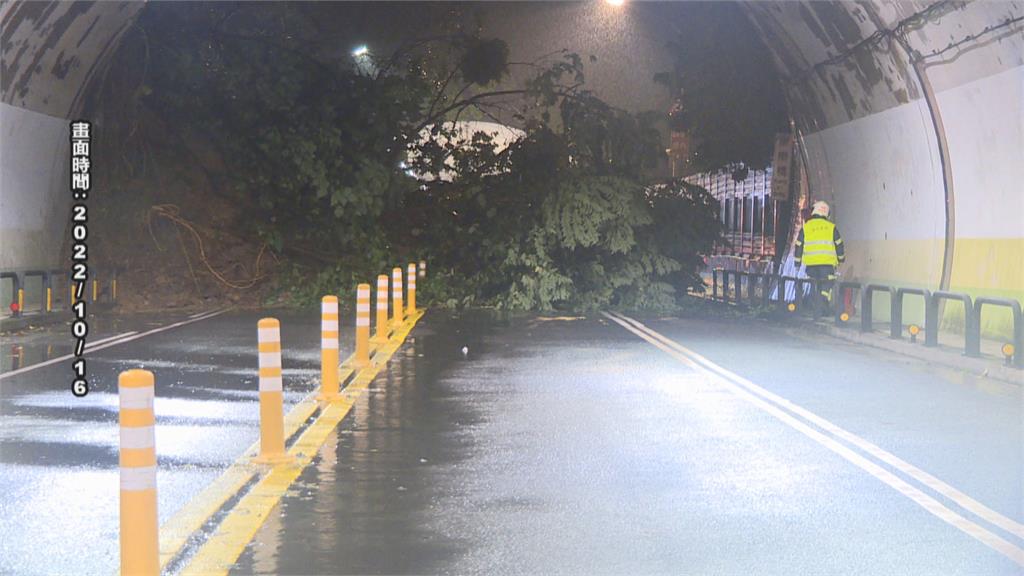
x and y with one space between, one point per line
201 418
908 117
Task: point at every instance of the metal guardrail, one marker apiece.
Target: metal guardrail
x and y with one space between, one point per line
720 291
1018 327
50 294
931 317
866 305
896 310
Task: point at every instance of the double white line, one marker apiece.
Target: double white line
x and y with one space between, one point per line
800 419
114 341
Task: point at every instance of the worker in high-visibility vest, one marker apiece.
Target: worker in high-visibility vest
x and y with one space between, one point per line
820 248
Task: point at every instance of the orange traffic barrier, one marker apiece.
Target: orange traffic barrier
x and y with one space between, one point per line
328 348
362 325
139 529
396 297
271 393
381 335
412 289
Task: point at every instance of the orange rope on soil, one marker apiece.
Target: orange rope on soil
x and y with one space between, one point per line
171 212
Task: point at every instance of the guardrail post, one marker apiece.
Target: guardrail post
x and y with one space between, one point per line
381 334
271 394
972 333
329 344
48 289
396 297
16 290
362 325
931 321
895 316
138 516
974 341
866 311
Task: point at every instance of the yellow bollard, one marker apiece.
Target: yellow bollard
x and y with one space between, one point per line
328 348
49 299
382 310
412 289
423 268
72 293
21 300
139 532
113 290
271 395
396 297
362 325
95 289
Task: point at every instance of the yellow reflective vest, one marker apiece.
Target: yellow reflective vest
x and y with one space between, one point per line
819 247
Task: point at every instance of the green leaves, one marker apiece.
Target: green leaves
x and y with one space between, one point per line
564 217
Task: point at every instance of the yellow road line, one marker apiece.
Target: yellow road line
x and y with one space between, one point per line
750 392
176 531
219 553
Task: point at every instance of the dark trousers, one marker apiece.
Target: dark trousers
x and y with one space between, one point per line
825 275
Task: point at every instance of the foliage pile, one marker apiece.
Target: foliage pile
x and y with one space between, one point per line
319 154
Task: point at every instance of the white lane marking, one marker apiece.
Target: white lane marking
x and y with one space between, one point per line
963 500
108 339
108 342
930 504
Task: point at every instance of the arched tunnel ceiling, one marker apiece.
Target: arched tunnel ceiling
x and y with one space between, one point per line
909 115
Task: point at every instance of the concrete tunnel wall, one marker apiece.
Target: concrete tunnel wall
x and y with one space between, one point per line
911 117
915 136
53 53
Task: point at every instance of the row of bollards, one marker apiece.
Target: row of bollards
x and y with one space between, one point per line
139 525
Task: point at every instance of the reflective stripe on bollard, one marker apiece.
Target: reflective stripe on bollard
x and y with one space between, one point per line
139 529
382 310
412 288
362 325
329 332
271 394
396 297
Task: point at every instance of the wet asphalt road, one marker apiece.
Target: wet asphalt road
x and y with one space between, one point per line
569 447
577 448
58 453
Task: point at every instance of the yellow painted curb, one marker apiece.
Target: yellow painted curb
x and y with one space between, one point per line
220 551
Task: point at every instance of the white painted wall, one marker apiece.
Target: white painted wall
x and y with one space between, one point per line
34 189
